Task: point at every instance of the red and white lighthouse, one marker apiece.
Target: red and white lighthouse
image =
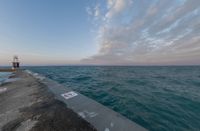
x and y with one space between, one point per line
15 63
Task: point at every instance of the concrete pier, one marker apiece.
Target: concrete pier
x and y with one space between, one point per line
28 105
101 117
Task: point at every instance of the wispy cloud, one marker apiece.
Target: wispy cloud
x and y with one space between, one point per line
147 32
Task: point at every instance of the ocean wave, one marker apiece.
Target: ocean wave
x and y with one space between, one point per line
158 98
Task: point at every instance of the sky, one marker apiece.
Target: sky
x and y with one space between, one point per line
100 32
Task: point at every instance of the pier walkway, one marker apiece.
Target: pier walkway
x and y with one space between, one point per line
101 117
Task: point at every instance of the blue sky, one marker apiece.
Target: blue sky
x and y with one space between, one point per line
105 32
47 31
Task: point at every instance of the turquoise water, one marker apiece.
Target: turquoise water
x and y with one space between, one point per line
158 98
4 76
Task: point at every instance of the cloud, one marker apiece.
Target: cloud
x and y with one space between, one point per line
148 32
115 7
97 11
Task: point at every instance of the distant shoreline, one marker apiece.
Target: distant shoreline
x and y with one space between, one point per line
6 70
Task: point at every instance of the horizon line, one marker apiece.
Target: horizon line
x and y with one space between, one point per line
103 65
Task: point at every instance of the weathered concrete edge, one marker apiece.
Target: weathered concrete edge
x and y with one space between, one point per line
101 117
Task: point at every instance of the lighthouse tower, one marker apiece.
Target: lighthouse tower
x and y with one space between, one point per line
15 63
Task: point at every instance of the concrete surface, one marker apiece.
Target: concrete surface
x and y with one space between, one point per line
101 117
28 105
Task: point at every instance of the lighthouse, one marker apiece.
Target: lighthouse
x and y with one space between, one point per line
15 63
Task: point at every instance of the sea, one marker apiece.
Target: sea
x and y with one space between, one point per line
4 76
159 98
